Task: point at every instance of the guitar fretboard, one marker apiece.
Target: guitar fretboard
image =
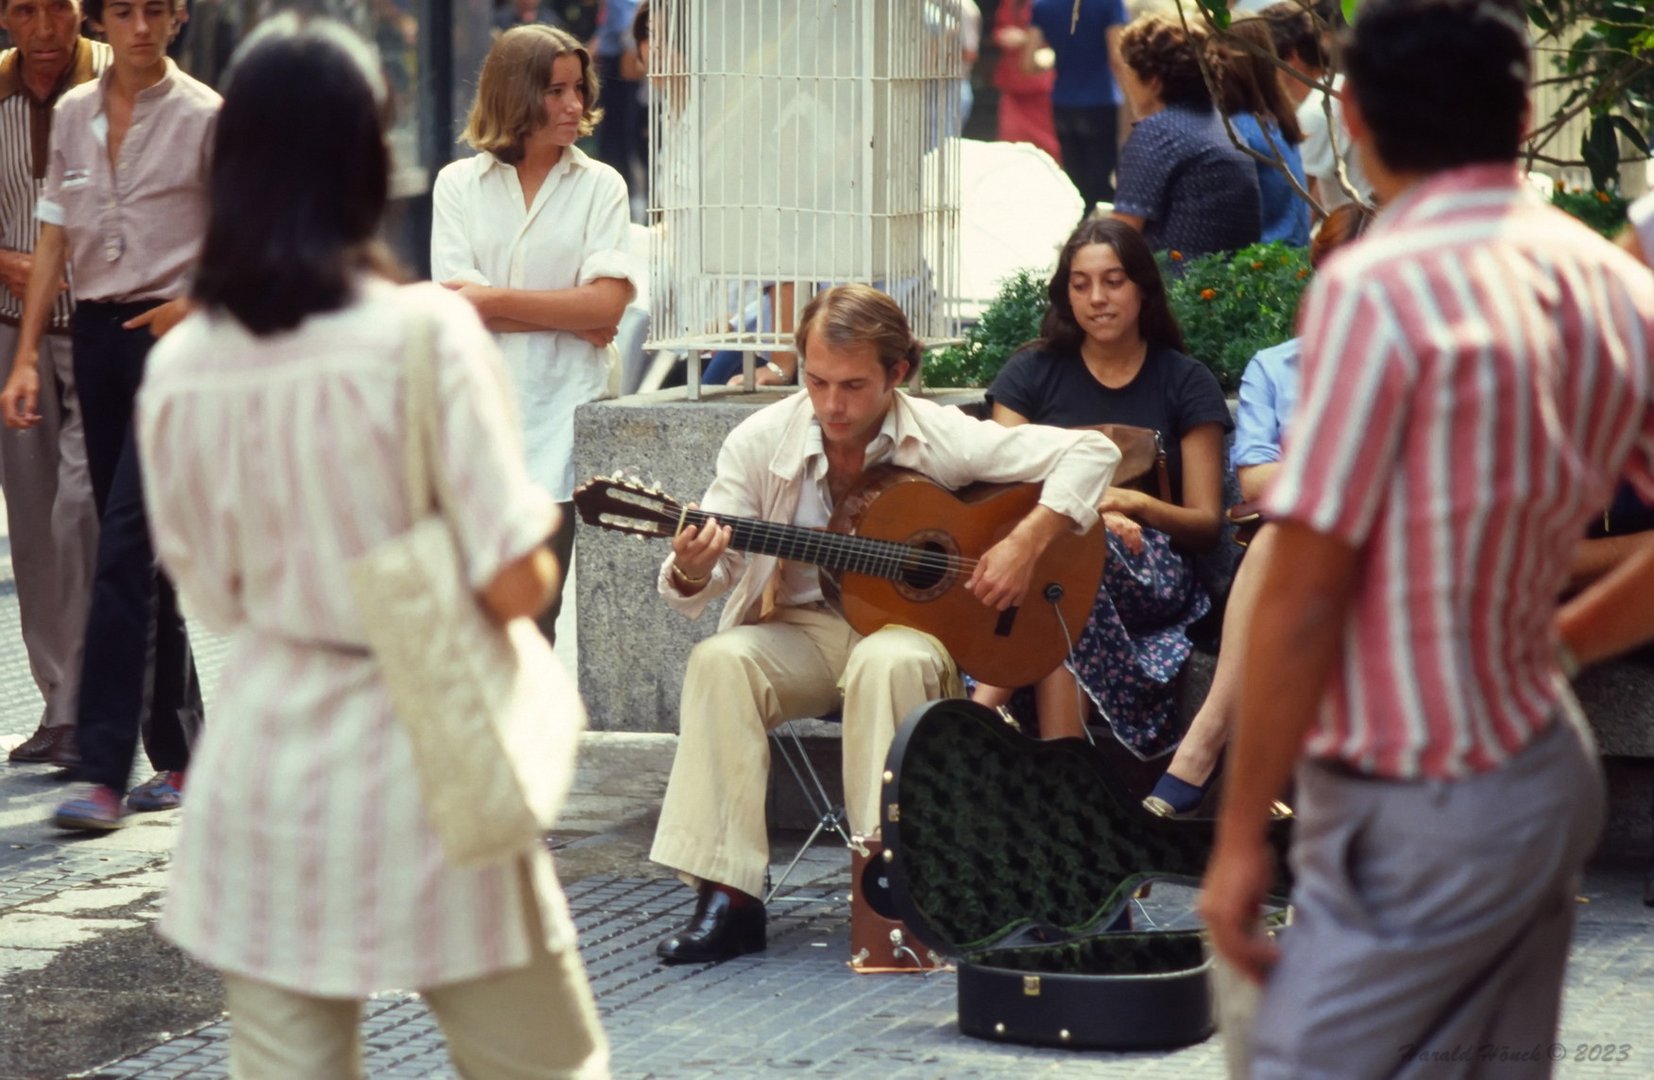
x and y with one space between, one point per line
820 547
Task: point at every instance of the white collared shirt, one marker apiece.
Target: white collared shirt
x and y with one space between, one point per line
800 583
574 233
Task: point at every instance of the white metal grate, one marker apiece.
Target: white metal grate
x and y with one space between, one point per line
797 144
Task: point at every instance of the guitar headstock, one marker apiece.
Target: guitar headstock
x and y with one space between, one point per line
627 505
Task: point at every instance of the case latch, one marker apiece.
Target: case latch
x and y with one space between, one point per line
1030 986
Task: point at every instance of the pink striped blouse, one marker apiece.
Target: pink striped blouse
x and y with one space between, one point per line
1476 375
305 858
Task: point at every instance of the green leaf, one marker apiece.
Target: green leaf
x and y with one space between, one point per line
1217 11
1629 130
1538 16
1601 150
1349 7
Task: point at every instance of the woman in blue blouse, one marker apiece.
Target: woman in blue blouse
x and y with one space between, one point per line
1264 119
1268 398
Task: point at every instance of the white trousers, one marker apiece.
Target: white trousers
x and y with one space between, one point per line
533 1023
53 525
801 662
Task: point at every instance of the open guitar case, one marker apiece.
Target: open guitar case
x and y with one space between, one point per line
1018 860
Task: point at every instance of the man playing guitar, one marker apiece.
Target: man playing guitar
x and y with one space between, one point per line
781 652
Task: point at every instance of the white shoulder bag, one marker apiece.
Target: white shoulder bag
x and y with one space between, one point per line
493 718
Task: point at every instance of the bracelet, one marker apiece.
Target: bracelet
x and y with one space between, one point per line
778 371
685 579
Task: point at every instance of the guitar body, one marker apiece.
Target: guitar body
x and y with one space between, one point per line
1011 648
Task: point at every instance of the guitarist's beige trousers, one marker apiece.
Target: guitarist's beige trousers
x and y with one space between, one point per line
800 662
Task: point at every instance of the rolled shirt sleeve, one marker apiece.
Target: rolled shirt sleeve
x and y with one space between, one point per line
1258 419
49 207
1074 467
608 251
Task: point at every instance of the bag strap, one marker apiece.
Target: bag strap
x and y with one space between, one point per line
428 492
423 425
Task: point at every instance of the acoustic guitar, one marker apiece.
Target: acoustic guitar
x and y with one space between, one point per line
898 551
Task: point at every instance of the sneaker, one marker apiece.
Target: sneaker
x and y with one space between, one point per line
163 791
96 808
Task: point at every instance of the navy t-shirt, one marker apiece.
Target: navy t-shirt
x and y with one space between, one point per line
1195 192
1172 393
1084 78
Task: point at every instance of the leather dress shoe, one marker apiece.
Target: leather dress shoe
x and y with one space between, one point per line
718 930
46 746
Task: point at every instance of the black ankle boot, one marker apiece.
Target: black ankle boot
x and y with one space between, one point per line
719 929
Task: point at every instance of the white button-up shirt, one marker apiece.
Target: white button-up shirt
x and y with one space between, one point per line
574 233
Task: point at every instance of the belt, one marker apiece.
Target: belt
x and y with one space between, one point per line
17 324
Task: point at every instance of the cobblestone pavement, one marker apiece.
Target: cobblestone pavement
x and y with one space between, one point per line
73 913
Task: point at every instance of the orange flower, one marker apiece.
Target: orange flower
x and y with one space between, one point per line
1177 256
1560 185
1257 266
1602 196
1302 273
1207 294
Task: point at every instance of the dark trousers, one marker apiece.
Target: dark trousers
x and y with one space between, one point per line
620 137
138 673
1090 141
561 543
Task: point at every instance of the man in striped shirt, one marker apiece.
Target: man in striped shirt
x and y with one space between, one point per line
49 507
1476 377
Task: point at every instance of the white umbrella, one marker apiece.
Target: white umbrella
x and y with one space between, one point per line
1016 207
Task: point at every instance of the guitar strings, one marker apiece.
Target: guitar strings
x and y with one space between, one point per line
859 554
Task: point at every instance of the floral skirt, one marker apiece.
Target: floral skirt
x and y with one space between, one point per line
1129 654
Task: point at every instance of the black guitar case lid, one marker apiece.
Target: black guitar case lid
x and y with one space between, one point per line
1019 859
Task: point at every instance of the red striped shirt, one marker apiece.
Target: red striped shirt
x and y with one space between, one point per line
1476 375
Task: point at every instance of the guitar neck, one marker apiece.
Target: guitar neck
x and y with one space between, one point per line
817 547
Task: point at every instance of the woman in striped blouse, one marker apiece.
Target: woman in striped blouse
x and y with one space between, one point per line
271 428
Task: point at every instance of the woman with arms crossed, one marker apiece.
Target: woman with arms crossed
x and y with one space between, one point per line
533 232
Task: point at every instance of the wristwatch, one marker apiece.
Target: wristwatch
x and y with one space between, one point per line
778 371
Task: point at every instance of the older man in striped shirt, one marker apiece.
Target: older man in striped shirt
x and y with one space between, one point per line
1476 376
43 471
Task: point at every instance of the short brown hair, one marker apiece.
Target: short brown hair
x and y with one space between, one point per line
860 315
510 103
1156 47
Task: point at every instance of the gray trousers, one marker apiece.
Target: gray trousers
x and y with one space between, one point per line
1432 919
53 525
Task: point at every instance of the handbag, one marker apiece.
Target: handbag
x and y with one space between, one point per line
492 718
1142 458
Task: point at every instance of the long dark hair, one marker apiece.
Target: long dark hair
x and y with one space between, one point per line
299 176
1062 333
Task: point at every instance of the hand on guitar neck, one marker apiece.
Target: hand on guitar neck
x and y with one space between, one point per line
696 551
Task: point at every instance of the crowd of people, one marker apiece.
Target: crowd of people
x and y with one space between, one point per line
210 391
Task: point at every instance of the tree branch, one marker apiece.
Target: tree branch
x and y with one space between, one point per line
1275 161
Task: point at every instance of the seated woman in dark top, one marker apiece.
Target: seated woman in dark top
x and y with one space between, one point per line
1111 354
1182 182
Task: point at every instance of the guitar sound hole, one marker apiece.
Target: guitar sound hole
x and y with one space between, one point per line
927 569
